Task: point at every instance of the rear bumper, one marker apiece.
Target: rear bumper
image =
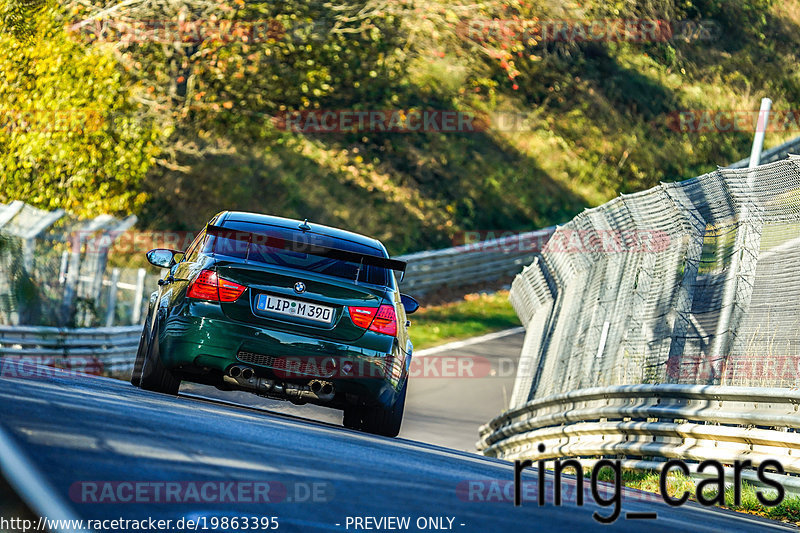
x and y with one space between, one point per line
193 344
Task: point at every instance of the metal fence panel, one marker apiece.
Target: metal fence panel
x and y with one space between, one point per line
532 298
691 283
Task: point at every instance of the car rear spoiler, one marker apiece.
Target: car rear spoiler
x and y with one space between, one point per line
305 247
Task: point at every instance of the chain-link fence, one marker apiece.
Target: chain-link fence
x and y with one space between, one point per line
54 270
696 282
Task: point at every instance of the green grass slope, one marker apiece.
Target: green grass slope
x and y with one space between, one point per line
593 119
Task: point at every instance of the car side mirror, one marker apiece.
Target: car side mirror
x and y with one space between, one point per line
409 303
161 257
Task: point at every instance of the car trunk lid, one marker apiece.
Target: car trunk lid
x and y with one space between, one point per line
296 301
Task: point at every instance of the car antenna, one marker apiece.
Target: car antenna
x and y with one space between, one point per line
304 226
358 270
247 252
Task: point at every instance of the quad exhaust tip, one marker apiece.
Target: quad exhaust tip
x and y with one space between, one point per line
246 377
322 389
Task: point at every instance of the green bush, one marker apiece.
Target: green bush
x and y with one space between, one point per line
70 135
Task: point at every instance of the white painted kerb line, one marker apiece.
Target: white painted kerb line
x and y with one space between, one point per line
468 342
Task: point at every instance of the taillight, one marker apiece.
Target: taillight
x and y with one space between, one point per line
385 321
229 291
205 286
208 286
362 316
380 320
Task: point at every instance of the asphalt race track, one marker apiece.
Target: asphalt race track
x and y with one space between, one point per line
78 436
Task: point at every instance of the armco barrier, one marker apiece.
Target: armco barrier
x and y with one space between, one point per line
112 350
773 154
469 264
645 425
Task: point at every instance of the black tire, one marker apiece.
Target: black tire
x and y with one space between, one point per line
382 421
136 375
154 377
352 418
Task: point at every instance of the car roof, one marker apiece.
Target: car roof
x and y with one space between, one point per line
289 223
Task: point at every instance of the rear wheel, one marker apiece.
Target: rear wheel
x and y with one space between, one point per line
141 351
378 419
352 418
154 377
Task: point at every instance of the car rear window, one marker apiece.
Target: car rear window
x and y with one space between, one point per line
237 246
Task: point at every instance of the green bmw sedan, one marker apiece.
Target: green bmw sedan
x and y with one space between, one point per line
284 309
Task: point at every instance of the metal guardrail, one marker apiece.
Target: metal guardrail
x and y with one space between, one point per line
110 351
773 154
468 264
645 425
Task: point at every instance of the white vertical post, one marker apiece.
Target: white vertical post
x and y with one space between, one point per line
722 345
112 297
71 279
603 337
758 140
138 293
62 271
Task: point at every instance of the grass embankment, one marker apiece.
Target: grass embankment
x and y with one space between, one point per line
475 314
200 127
595 119
677 484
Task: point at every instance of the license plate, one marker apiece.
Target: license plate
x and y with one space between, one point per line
289 307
